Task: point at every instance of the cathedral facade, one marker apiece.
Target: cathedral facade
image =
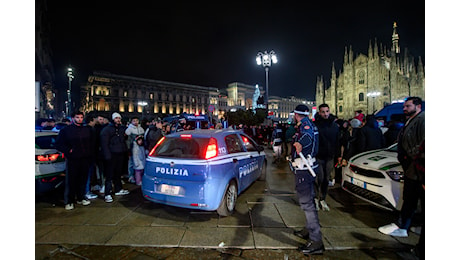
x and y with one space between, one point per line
368 83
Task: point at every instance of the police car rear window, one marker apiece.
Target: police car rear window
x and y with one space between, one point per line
182 147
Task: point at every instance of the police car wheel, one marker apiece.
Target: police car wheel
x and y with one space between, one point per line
228 203
263 172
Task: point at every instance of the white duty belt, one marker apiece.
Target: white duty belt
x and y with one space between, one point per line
303 163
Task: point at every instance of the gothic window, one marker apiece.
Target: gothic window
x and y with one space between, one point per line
340 96
340 109
361 77
361 96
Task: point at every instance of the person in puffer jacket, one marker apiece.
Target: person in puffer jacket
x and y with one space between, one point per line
113 146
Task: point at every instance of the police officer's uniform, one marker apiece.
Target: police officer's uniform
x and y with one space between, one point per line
308 137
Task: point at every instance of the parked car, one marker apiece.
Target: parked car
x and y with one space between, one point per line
49 163
375 176
203 169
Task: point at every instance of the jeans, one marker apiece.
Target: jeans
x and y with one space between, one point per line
113 171
305 184
413 191
325 168
75 179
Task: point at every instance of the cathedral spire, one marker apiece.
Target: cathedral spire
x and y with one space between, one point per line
345 57
395 39
370 53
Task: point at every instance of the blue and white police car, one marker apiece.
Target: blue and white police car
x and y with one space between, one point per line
203 169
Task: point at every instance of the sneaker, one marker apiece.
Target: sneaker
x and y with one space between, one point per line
132 180
122 192
393 230
317 204
312 248
399 233
102 190
324 205
91 196
84 202
108 198
69 206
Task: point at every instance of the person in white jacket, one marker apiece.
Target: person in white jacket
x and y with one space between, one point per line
133 130
138 156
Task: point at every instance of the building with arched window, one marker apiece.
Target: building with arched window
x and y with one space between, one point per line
390 74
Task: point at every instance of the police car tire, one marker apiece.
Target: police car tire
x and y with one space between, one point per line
263 173
231 194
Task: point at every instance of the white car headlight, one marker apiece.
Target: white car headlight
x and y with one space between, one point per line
396 175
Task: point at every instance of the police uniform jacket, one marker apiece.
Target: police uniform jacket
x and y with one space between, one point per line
308 137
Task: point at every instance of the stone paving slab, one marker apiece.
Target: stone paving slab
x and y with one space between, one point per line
212 237
83 235
148 236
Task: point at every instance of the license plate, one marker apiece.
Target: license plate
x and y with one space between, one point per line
358 183
169 189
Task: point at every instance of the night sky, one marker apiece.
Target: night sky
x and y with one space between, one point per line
213 44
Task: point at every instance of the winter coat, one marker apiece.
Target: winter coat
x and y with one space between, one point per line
138 156
113 140
132 131
329 146
76 142
151 137
370 137
410 138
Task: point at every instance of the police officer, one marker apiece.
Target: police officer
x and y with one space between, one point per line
306 142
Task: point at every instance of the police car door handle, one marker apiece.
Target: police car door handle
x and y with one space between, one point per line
235 160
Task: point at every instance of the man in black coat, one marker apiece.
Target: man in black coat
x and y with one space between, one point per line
76 141
329 149
370 136
114 148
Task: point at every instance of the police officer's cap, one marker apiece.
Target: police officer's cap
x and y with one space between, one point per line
302 110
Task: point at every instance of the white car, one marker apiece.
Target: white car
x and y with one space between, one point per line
49 163
375 176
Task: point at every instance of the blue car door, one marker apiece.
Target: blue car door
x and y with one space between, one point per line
240 159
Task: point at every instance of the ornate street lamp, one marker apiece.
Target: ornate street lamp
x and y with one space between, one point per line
265 59
373 95
69 91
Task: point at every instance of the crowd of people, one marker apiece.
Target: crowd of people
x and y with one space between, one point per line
100 152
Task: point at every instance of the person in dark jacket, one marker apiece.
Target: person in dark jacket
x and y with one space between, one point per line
370 136
114 148
411 137
153 134
329 149
76 141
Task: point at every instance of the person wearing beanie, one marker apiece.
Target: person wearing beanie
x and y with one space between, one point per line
113 148
306 142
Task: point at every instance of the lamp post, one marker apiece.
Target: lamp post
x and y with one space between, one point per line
142 104
69 91
265 59
373 95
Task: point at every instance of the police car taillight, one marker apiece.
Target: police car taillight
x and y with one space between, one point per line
48 157
211 149
155 147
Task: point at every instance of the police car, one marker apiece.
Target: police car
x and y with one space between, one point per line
49 162
375 176
203 169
